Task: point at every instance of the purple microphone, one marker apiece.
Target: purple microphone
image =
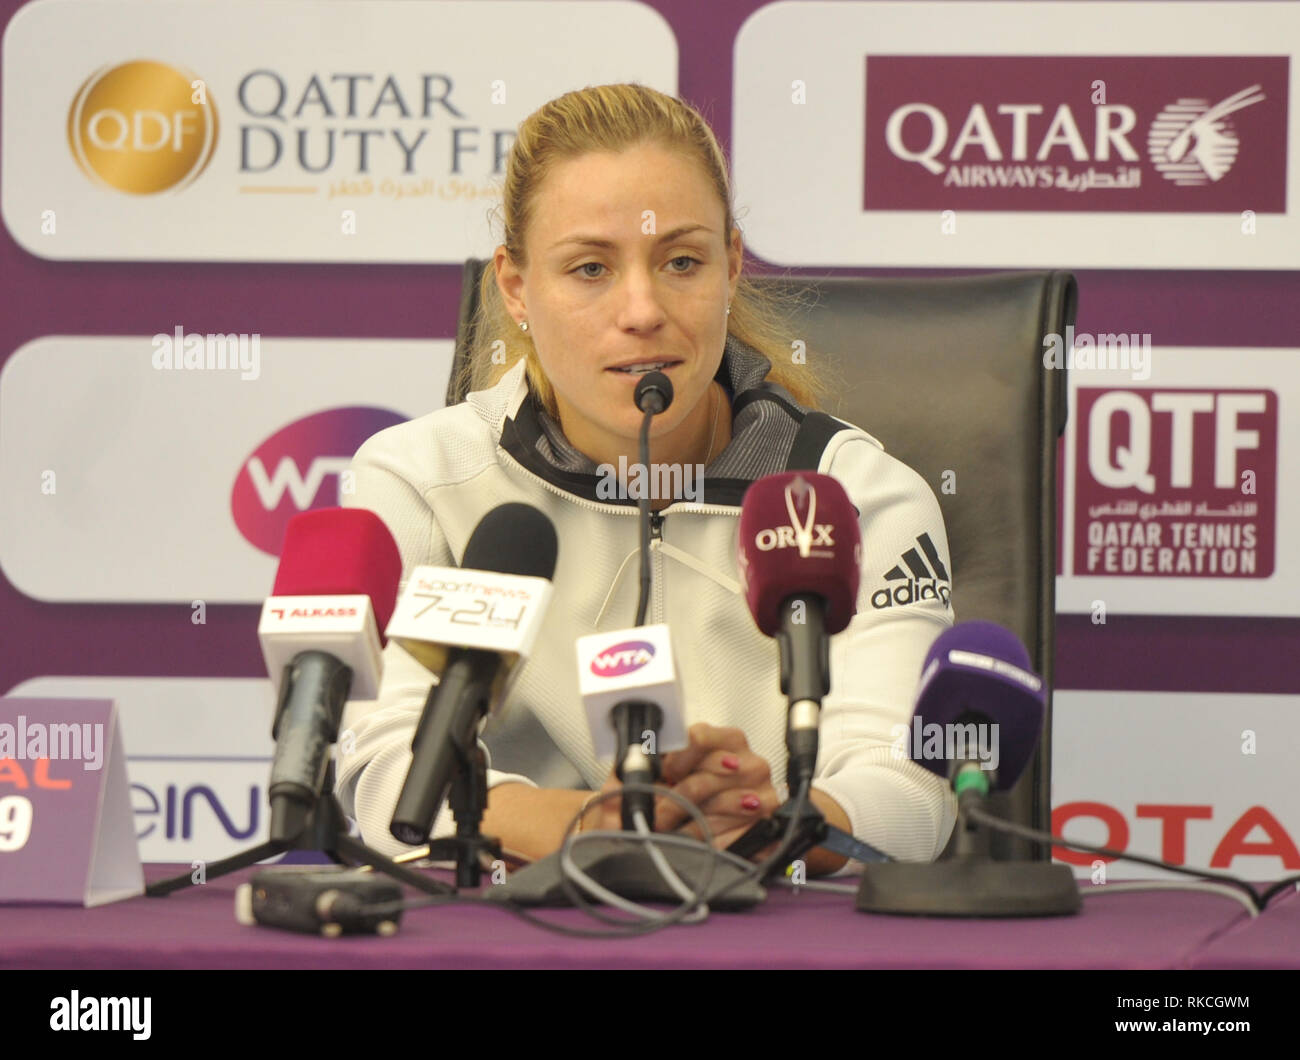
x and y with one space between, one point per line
979 712
978 704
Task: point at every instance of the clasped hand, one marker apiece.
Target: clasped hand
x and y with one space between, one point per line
730 784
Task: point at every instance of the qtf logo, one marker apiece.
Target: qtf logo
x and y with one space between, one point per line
626 657
288 472
1176 482
142 127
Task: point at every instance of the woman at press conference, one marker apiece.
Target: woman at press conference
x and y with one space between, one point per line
620 253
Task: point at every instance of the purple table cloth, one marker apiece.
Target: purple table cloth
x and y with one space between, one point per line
1269 941
196 928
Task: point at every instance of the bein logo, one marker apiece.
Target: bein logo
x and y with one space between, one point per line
288 472
626 657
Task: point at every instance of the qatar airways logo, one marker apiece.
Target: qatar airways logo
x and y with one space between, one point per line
1074 133
299 468
626 657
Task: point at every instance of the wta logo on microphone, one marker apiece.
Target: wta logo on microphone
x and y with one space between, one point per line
623 658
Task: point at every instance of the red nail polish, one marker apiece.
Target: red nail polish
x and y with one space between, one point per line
751 802
730 762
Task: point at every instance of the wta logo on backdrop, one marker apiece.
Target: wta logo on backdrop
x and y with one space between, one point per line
1168 134
297 469
1176 483
142 127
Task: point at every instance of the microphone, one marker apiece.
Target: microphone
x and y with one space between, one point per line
654 393
979 710
334 591
799 555
632 694
630 689
472 625
979 713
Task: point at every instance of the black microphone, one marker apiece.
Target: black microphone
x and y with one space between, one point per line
654 393
321 632
475 652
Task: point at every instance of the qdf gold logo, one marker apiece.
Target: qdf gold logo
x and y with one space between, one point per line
136 127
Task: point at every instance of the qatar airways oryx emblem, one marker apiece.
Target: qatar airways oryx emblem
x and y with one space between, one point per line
625 657
1193 142
803 534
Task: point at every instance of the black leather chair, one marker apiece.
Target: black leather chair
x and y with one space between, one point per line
948 374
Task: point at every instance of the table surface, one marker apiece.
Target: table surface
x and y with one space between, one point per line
196 928
1271 940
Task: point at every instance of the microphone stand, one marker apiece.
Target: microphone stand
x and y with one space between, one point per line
307 816
804 688
969 883
468 799
631 719
625 866
620 866
325 832
463 783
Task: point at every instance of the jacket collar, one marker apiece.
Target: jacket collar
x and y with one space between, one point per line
770 433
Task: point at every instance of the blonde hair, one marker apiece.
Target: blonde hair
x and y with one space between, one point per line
616 118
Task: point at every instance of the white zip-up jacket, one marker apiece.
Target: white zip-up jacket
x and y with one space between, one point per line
432 479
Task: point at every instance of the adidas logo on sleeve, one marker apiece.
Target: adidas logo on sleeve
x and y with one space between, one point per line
920 575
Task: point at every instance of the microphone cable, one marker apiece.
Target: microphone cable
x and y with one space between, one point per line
643 516
982 816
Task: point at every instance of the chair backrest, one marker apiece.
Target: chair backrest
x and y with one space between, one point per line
948 374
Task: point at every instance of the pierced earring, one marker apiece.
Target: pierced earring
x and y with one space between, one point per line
523 325
728 309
